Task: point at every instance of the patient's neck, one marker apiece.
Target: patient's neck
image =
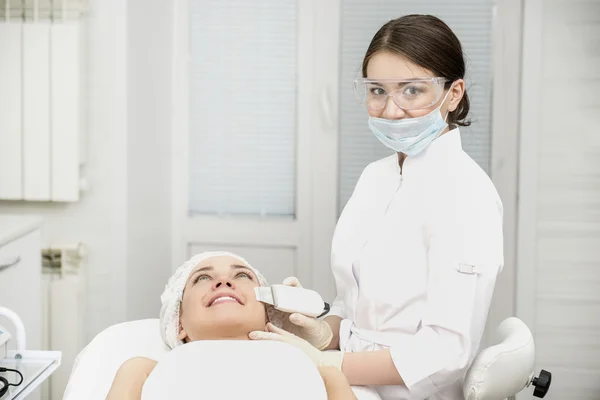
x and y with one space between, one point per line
227 332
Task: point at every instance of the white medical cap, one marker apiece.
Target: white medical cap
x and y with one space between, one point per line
173 295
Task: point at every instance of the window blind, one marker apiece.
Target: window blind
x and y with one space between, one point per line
242 107
471 20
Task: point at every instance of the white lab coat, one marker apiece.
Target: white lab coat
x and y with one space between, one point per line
415 256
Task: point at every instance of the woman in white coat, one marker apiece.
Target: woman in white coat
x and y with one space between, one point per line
418 247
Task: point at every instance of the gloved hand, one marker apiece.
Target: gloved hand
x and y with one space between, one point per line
320 358
314 331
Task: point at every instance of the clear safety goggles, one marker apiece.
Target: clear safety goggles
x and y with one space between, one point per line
408 94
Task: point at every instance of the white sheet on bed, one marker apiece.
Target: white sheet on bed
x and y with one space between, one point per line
234 370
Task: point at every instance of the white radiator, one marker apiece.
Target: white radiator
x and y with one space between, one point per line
40 100
63 317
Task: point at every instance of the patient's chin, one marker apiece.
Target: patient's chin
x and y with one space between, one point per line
231 314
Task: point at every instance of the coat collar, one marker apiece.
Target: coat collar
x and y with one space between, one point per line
438 150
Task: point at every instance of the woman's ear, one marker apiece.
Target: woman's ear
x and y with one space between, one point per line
456 94
182 333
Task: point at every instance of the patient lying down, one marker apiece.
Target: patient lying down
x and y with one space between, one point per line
211 297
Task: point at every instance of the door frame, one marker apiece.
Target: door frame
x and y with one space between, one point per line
504 166
526 293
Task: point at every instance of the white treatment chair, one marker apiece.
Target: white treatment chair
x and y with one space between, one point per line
497 373
96 365
504 369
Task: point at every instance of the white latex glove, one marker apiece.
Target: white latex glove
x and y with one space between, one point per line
320 358
314 331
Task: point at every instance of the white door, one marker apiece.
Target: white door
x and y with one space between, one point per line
255 134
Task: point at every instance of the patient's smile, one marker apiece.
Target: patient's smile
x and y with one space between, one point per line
225 299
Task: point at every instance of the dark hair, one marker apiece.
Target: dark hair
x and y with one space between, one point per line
428 42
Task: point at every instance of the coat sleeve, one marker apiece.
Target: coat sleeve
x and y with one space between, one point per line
464 240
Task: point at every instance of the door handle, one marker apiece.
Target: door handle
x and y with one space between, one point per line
10 263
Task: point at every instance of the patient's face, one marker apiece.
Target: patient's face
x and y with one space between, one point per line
219 302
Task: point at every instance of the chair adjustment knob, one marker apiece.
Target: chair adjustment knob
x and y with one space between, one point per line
542 384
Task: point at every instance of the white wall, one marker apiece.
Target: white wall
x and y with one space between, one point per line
98 220
149 41
559 243
124 219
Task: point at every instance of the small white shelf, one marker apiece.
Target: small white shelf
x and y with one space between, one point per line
36 367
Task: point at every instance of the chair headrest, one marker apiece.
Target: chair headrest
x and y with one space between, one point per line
505 368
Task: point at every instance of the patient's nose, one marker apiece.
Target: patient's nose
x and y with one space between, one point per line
221 283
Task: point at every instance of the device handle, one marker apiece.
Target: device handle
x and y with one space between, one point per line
292 299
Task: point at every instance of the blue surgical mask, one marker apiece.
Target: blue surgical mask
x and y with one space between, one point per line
409 135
